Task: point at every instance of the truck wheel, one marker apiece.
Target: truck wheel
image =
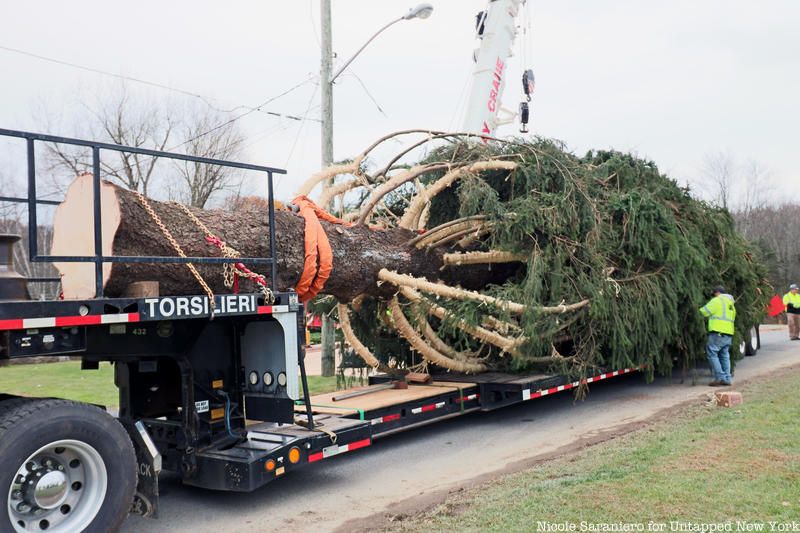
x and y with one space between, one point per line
64 467
752 342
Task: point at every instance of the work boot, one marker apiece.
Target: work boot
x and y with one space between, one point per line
715 383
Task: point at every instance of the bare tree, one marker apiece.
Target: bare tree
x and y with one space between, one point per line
239 203
745 189
120 120
209 135
756 181
14 222
773 229
719 171
7 187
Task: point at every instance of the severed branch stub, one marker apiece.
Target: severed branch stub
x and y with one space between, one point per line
504 343
412 215
477 258
446 291
406 330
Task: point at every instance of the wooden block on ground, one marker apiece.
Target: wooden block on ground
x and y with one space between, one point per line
729 398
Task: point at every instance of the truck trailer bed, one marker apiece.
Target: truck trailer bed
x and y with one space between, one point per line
355 422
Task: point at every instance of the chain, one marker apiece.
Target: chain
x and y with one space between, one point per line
230 270
177 247
227 251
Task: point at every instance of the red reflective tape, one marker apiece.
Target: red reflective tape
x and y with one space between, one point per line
430 407
264 310
389 418
14 323
314 457
77 320
358 444
133 317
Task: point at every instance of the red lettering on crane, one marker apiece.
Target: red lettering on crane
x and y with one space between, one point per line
487 131
496 81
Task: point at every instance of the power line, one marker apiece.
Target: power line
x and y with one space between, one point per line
204 99
313 22
232 120
237 117
299 131
363 86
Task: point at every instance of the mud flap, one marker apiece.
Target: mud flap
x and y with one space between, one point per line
148 467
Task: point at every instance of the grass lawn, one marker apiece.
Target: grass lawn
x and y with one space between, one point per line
706 464
67 380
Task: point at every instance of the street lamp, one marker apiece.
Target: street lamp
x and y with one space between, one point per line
421 11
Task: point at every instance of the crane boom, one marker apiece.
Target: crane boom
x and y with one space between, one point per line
497 30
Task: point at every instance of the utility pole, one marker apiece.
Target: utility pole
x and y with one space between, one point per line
328 330
326 79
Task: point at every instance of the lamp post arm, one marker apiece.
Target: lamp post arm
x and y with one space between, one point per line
341 69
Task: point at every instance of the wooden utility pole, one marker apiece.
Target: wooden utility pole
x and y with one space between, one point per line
422 11
326 64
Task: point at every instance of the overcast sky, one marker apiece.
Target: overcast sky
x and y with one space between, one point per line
672 80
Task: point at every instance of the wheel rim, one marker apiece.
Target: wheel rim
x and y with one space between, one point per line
59 488
753 340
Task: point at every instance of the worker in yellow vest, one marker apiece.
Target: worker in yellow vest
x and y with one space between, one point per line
791 304
721 314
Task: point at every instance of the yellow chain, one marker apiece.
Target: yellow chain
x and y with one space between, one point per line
229 269
177 247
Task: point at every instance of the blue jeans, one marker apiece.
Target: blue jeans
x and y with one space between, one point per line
719 357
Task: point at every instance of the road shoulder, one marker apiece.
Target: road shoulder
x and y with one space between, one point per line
427 509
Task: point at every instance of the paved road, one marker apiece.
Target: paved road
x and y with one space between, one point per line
429 459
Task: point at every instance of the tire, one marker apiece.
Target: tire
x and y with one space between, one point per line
752 341
77 451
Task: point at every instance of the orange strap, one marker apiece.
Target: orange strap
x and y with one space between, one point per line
305 201
317 247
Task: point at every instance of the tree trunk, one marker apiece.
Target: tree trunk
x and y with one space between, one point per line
128 230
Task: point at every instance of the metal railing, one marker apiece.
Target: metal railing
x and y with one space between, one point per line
98 258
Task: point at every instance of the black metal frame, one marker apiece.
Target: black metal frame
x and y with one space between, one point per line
98 258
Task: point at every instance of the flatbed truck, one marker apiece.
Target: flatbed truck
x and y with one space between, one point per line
224 403
220 399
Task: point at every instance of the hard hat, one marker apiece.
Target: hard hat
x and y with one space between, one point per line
720 289
793 286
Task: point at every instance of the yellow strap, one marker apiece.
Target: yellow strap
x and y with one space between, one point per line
318 427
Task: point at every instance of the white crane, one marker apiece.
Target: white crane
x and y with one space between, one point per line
496 29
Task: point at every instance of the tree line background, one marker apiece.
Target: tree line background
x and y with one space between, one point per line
762 216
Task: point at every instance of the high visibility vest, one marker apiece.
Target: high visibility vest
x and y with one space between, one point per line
721 314
793 299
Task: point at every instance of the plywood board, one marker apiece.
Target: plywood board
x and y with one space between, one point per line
323 403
